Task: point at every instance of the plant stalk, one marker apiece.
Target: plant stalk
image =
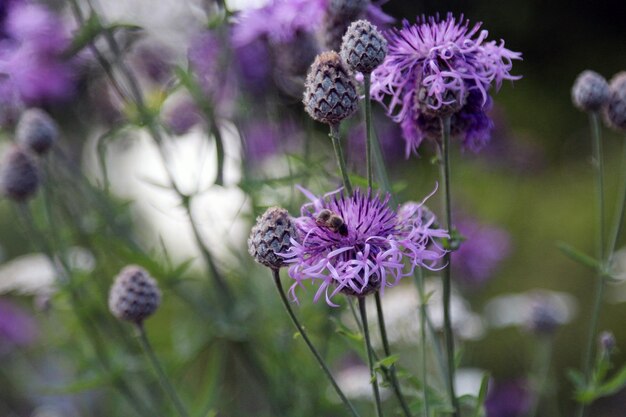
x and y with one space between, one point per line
370 357
334 135
305 337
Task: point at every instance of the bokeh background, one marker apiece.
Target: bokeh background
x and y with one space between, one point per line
532 187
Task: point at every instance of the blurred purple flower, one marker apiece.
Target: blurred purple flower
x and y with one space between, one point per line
31 58
437 63
17 328
263 139
279 22
254 66
182 116
484 248
153 61
375 14
508 399
368 249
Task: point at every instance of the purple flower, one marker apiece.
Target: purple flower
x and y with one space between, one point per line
440 64
279 22
482 251
17 328
357 245
182 116
31 55
508 399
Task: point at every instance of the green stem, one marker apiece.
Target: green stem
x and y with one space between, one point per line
367 81
542 370
619 212
393 377
419 281
447 206
165 383
334 135
305 337
600 280
370 357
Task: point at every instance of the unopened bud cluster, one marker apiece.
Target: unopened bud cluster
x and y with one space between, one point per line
363 47
272 236
35 134
134 295
330 93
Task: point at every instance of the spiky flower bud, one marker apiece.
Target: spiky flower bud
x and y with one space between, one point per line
339 15
19 175
363 47
590 91
37 131
134 295
615 110
330 94
271 236
452 102
544 317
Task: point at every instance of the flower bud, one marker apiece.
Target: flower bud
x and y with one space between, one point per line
36 131
330 94
607 342
363 47
272 236
544 317
19 175
134 295
615 110
590 91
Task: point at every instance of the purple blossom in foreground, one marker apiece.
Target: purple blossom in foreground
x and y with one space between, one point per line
17 328
508 399
370 248
31 58
482 251
437 65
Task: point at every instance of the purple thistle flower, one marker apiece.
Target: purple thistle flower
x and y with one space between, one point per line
279 22
437 65
31 60
369 248
478 257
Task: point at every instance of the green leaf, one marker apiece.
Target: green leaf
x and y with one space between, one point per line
482 395
90 31
347 332
578 256
386 362
577 378
614 384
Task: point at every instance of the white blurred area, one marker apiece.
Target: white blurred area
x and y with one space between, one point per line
137 173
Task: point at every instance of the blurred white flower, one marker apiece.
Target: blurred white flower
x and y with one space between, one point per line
401 310
467 381
34 274
354 381
520 309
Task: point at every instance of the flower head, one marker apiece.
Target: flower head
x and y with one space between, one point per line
615 109
440 67
359 244
135 295
590 91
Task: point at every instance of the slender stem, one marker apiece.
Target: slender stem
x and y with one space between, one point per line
542 370
393 376
165 382
447 205
367 81
619 212
318 357
600 280
334 135
370 357
419 281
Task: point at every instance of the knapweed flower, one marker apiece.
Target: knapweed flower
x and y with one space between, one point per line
590 91
36 131
134 296
440 67
17 327
358 244
508 399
